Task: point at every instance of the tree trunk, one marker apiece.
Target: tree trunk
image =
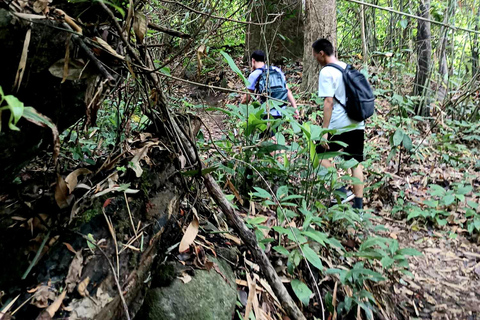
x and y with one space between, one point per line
282 39
424 52
320 22
364 40
442 55
475 49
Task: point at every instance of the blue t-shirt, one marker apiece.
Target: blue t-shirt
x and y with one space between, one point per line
253 78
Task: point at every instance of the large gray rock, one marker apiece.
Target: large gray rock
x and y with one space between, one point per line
208 296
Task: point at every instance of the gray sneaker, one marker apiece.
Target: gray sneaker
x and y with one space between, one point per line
345 195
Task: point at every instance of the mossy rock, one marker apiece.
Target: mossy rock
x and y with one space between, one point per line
208 296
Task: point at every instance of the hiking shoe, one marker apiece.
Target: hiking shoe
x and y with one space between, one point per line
345 195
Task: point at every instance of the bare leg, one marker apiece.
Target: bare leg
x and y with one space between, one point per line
357 172
326 163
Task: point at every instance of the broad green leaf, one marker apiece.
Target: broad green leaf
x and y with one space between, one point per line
282 192
257 220
348 164
312 257
398 137
315 235
165 70
436 190
465 190
448 199
414 214
261 193
387 262
403 23
409 252
469 213
281 250
373 241
476 222
407 142
16 111
472 204
268 147
301 291
91 242
431 203
234 67
470 227
330 154
335 243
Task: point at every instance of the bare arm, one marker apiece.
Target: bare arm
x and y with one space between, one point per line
327 116
292 101
246 97
327 111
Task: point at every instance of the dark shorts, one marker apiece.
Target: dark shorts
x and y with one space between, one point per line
355 140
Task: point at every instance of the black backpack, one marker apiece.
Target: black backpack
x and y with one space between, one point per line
276 87
360 103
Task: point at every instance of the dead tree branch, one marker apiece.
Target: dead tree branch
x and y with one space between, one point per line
168 31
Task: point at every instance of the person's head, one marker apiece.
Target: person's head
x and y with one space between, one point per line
258 59
322 51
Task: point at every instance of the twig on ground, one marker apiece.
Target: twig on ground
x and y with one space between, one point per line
98 64
115 276
37 255
130 214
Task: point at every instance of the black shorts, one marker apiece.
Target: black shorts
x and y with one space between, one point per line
355 140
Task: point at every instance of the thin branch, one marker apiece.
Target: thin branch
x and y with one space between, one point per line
169 31
413 16
223 18
217 88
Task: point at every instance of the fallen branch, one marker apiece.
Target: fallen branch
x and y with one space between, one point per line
168 31
248 238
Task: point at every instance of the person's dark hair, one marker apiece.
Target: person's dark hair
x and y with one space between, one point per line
258 55
323 45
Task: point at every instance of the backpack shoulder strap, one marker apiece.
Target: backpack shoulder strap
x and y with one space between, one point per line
259 78
336 66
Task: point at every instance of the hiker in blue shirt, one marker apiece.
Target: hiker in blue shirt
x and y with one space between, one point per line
258 67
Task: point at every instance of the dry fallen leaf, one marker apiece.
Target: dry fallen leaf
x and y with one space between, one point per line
70 248
140 24
74 271
61 192
56 304
189 235
23 61
72 178
82 287
185 277
139 155
40 6
76 69
41 297
107 47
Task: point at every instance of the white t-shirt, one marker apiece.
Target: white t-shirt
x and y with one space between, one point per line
330 84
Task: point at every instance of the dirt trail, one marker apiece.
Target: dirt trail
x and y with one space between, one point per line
447 275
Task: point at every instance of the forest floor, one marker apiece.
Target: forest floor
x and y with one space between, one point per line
447 274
